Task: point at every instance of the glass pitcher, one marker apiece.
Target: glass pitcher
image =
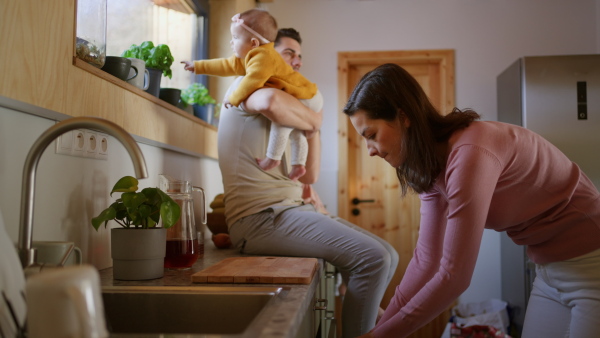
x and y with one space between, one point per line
184 245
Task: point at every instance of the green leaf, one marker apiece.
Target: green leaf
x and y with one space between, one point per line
158 57
152 196
170 211
196 93
145 211
125 184
150 223
140 209
105 216
147 45
132 200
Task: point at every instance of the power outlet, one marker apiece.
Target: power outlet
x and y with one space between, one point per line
83 143
102 152
78 143
90 144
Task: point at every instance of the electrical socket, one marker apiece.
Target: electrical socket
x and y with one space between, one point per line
91 144
78 143
102 153
83 143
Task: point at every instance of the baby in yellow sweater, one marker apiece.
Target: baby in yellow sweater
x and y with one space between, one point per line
255 58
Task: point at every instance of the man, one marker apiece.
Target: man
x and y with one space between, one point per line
265 210
288 43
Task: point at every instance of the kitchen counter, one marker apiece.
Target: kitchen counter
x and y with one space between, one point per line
284 316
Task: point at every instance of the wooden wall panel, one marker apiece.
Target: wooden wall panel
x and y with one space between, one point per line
37 67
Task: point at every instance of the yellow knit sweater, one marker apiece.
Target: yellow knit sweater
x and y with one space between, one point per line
262 67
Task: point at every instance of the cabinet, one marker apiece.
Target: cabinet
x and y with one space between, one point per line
325 307
319 319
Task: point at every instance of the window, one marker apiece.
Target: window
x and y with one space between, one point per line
180 24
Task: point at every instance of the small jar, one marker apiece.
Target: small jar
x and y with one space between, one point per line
91 32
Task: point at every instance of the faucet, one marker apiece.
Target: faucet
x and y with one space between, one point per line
26 252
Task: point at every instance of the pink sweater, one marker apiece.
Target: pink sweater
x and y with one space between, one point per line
501 177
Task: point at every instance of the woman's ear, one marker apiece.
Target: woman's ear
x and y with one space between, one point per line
403 118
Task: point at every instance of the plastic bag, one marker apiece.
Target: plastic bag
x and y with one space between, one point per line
488 313
476 331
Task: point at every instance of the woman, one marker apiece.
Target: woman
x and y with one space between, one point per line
473 175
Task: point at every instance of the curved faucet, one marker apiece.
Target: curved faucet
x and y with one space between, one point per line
26 253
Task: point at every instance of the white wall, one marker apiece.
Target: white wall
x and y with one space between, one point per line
487 37
72 190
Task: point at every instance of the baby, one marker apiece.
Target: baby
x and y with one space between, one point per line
255 58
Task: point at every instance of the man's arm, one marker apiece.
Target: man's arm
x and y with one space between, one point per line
282 108
313 160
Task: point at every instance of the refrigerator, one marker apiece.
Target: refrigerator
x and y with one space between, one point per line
557 97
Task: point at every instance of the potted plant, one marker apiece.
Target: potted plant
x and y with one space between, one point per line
138 246
197 95
158 61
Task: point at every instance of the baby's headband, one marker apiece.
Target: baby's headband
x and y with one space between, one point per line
240 22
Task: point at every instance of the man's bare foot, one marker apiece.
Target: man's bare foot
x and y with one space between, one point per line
267 163
298 171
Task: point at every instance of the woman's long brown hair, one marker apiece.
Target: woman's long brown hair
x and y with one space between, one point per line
390 93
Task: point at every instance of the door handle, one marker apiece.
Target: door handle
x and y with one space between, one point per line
357 201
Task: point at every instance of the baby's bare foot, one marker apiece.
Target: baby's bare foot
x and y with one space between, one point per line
267 163
297 172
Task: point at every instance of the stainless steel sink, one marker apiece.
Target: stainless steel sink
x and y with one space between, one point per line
184 310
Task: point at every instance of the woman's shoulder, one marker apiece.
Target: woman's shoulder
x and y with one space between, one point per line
483 132
489 138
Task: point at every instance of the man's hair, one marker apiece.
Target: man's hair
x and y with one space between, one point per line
288 33
262 22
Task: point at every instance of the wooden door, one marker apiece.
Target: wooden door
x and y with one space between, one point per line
372 180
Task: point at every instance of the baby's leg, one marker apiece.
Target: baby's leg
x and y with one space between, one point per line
277 142
299 147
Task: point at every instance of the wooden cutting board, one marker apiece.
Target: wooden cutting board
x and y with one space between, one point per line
262 270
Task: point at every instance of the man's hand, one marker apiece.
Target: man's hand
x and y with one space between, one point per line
282 108
310 133
188 65
226 103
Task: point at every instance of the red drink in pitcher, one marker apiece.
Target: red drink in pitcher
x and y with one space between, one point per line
181 254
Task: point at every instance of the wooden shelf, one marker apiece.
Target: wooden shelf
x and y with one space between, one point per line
41 71
127 86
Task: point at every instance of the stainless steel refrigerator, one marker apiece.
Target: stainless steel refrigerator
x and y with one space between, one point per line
558 97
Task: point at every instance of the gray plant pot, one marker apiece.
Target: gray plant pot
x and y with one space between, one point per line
155 76
138 254
170 95
206 112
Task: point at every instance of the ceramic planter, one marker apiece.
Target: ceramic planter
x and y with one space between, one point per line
170 95
155 76
138 254
206 112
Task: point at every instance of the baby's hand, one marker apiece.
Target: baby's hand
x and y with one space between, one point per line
226 103
188 65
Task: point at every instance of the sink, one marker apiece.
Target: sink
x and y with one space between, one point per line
184 310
